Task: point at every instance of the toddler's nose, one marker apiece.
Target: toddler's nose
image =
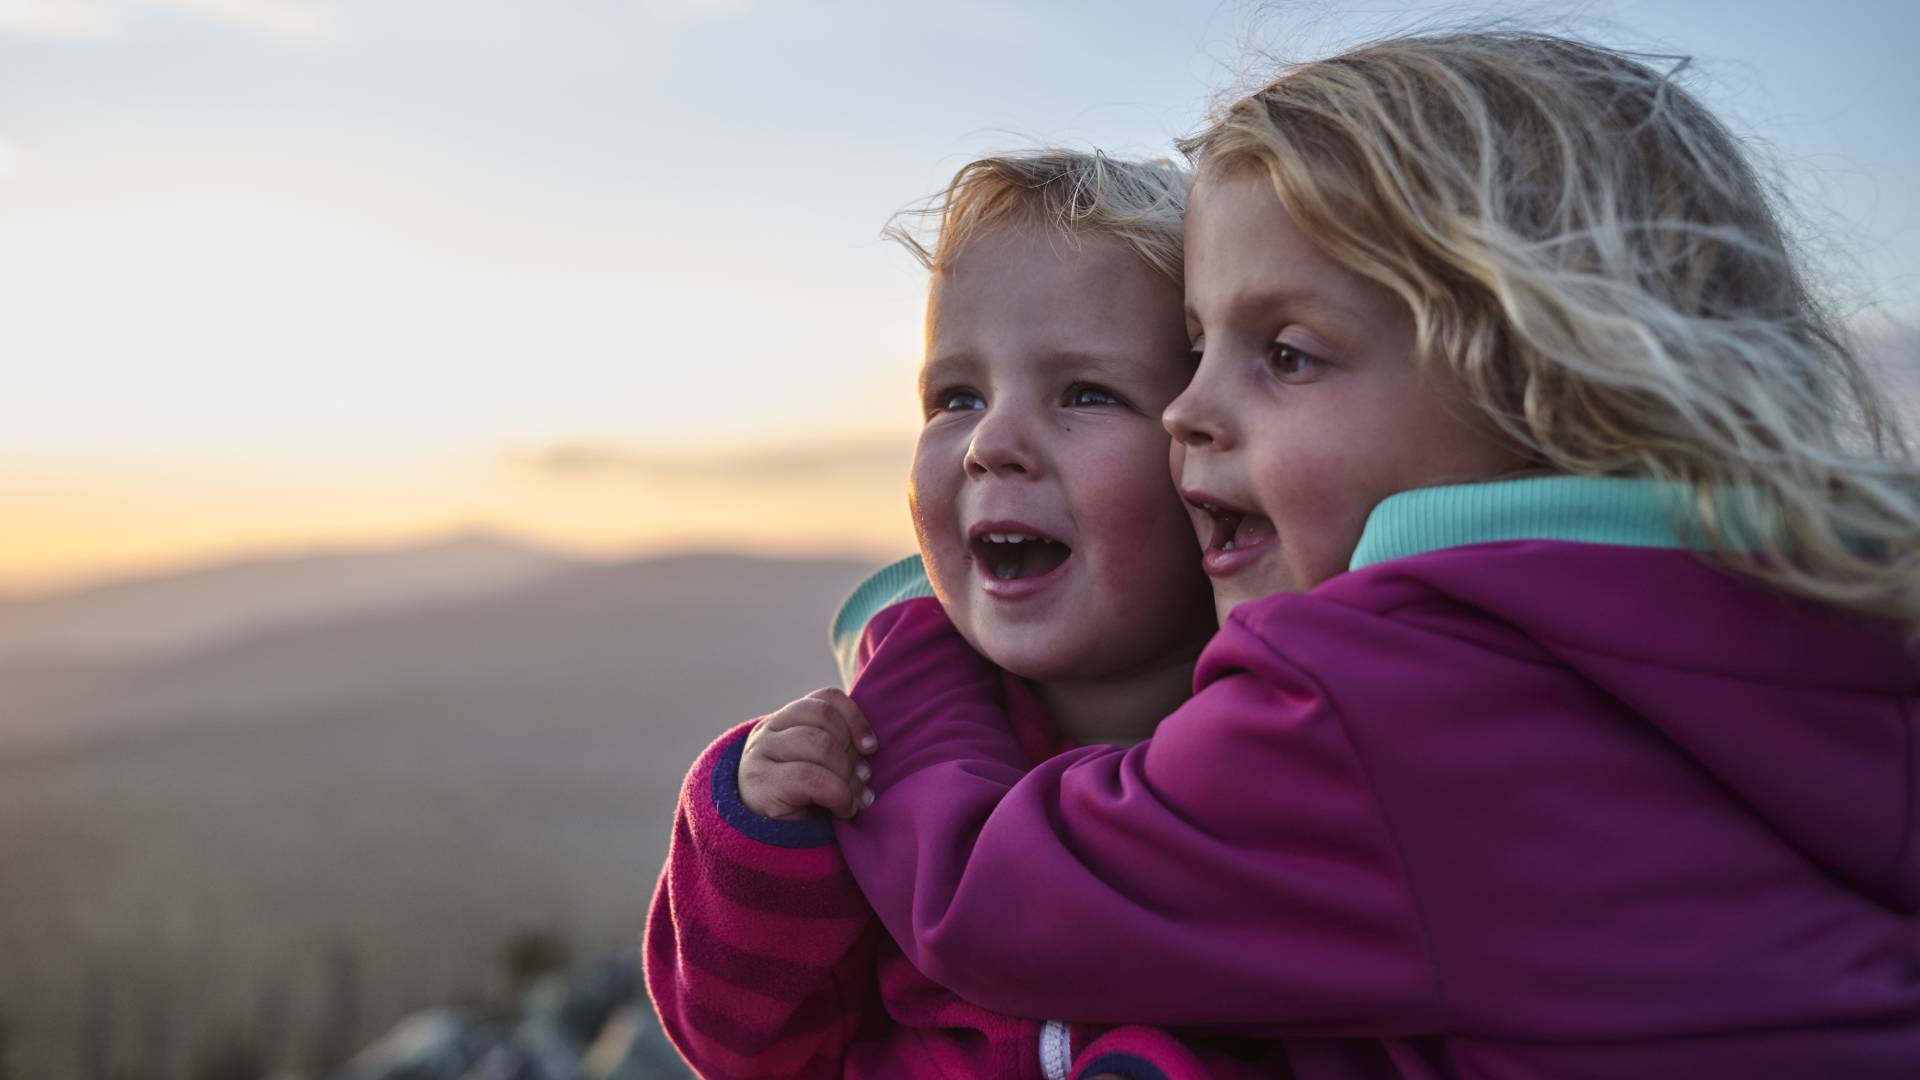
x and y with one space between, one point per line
1000 447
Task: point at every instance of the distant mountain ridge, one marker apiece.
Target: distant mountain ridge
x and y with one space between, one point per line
584 625
161 614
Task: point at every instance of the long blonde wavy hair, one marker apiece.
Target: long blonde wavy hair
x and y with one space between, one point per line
1591 254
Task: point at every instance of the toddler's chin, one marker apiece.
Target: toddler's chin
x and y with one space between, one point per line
1228 597
1028 663
1040 658
1269 578
1015 649
1223 606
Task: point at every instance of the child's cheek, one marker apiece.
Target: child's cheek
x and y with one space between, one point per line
932 499
1148 524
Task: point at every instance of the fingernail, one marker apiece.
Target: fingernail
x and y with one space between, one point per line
863 771
868 742
866 797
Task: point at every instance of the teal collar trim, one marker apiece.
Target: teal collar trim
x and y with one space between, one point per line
1581 509
891 584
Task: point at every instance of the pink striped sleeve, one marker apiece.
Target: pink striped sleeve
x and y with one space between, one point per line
759 947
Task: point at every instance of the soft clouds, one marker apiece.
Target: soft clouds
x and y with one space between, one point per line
882 460
294 22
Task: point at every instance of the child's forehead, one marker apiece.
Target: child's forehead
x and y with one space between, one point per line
1046 274
1047 309
1021 241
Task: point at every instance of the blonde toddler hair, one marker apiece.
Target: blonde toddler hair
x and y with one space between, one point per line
1140 203
1589 252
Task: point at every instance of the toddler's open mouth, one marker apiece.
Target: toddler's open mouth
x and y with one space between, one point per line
1016 556
1233 536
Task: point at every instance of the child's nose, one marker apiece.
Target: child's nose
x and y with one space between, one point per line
1189 420
1198 416
1000 447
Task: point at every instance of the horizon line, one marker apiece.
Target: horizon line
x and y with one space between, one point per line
42 587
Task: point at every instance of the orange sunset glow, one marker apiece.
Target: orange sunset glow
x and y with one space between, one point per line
280 277
76 521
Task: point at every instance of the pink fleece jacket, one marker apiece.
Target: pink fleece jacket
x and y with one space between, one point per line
1519 809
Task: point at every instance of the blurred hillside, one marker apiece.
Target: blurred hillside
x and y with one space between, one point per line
456 742
143 617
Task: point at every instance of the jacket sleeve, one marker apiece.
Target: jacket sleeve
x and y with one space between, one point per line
759 946
1233 873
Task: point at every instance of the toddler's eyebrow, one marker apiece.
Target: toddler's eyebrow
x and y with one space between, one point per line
947 366
1073 358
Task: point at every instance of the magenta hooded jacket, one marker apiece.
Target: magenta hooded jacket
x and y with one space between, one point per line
1532 791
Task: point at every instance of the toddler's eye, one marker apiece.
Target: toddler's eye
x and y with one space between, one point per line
1081 395
1291 363
958 400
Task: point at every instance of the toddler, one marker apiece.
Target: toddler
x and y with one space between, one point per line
1051 532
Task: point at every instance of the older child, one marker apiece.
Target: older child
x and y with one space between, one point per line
1565 722
1051 532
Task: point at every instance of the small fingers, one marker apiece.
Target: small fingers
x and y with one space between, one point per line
779 769
822 787
806 710
789 790
810 711
832 711
859 732
812 752
816 745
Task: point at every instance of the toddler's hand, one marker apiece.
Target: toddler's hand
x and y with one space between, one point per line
810 753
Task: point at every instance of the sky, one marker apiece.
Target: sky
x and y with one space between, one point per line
608 274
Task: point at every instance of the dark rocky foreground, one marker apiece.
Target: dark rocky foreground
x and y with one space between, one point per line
593 1025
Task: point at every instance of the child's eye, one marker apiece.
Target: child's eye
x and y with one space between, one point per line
1081 395
959 399
1290 363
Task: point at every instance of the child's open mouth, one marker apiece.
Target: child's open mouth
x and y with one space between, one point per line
1017 563
1235 537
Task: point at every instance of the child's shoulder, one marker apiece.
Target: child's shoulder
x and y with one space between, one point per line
1492 614
1546 566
